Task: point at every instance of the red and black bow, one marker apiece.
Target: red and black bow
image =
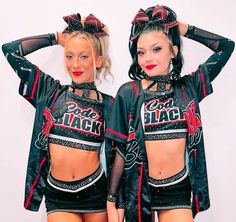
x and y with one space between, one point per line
91 24
159 16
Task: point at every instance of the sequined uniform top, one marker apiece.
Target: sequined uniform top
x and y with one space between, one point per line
78 122
162 118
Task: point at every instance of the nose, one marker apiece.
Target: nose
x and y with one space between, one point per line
148 57
76 63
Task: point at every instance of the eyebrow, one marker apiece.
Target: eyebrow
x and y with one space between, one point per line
153 45
79 52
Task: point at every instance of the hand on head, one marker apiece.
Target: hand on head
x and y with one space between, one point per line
183 28
61 38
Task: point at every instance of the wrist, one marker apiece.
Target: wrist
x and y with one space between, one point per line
190 31
53 38
111 197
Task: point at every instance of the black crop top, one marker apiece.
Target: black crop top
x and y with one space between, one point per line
162 119
79 122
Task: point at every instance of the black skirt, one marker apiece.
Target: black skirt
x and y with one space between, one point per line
171 193
87 195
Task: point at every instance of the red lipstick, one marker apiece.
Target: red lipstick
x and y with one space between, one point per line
77 73
151 66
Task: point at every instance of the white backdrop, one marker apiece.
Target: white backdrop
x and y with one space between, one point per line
24 18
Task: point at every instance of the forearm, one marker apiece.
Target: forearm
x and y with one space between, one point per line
212 41
16 50
116 174
222 47
25 46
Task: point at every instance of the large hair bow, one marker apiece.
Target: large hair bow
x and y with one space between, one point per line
91 24
159 16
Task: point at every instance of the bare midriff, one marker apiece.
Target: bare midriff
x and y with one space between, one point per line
165 157
69 164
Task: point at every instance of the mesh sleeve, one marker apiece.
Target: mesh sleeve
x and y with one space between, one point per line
117 172
221 46
16 50
34 82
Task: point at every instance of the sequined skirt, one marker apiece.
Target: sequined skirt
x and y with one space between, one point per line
87 195
171 193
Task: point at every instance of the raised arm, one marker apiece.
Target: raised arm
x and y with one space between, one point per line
34 82
222 47
16 50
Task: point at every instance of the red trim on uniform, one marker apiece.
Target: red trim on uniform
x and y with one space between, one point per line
112 99
184 95
195 154
34 184
54 104
130 117
135 88
35 84
116 133
197 203
139 192
203 83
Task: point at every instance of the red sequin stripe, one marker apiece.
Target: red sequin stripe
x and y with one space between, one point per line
184 95
195 155
34 184
112 99
139 192
135 88
203 83
197 203
54 104
116 133
35 84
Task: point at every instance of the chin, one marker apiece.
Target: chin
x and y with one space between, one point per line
77 80
153 74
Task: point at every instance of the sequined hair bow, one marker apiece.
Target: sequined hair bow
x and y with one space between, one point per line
91 25
159 17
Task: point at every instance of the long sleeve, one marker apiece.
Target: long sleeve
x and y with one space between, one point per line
115 185
200 80
222 47
16 50
34 82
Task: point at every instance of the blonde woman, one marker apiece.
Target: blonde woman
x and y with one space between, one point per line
64 162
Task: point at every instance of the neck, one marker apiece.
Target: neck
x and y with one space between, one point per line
162 82
84 85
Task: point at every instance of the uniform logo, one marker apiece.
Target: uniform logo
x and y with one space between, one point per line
80 119
157 112
42 139
133 150
194 124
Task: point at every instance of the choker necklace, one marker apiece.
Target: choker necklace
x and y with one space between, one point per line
160 81
86 87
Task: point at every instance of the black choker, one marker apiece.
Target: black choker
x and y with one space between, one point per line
161 78
161 81
86 87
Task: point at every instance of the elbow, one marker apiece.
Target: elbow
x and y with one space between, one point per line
5 48
231 45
